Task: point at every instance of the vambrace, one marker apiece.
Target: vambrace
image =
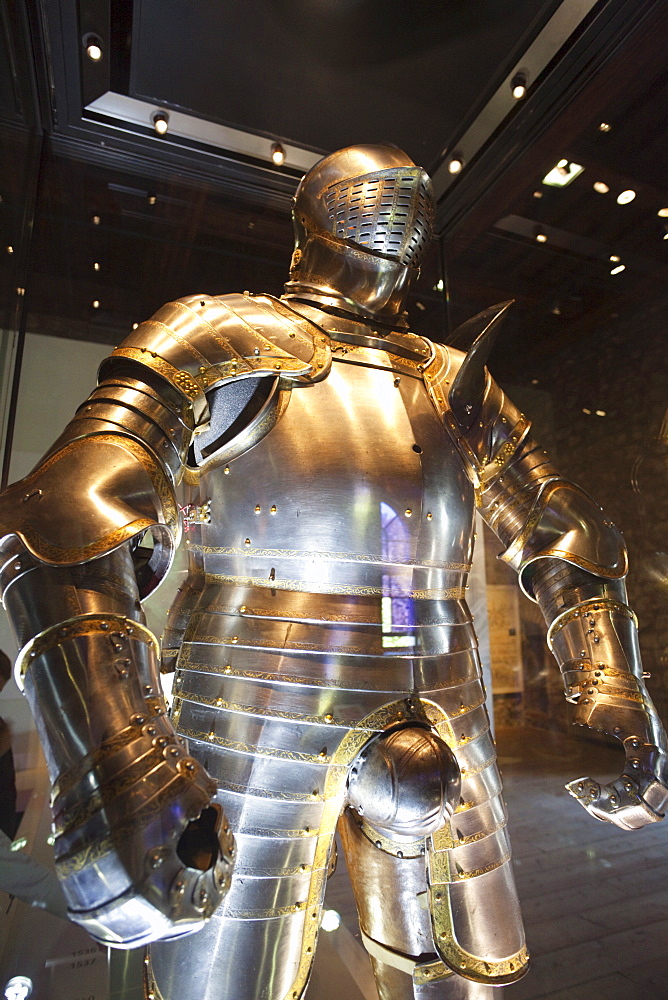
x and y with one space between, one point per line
571 560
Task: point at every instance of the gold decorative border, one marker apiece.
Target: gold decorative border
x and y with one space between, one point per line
312 587
181 380
593 604
75 628
328 556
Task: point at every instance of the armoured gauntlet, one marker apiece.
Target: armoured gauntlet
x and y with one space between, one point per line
138 845
596 646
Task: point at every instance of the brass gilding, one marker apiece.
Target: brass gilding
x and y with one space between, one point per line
76 628
181 380
581 610
481 970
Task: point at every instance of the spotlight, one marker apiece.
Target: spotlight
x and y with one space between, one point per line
663 212
586 410
96 303
519 86
93 47
618 269
455 163
95 220
614 258
96 266
160 122
538 194
562 173
625 197
152 199
135 325
604 127
541 238
601 188
277 154
10 249
600 413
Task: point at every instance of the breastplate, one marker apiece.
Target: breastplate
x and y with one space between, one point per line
356 490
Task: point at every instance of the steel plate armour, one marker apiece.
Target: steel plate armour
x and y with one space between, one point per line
327 603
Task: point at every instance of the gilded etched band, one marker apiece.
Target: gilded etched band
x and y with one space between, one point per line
75 628
586 607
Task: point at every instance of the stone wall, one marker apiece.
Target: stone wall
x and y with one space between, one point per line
621 458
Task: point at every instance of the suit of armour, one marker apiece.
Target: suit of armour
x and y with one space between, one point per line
328 464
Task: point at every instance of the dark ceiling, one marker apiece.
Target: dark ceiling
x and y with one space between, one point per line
204 208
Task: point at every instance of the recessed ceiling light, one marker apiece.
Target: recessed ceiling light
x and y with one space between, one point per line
663 212
277 154
538 194
618 269
562 174
604 127
10 249
625 197
541 238
152 199
455 163
96 266
135 325
614 258
438 287
96 220
585 410
600 413
519 86
93 48
96 303
160 122
601 187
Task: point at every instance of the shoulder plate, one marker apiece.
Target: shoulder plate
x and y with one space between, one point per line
203 341
489 444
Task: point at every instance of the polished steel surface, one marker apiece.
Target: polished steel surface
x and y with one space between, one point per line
363 218
406 783
139 850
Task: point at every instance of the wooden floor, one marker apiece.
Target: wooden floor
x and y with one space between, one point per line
594 898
